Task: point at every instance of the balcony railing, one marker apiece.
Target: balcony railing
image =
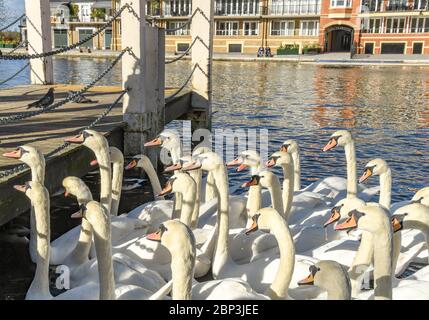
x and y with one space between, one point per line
294 9
171 12
392 7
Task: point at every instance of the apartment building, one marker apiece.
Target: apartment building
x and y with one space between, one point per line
243 26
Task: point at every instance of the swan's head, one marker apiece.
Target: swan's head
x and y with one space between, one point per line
180 182
342 209
328 275
411 216
177 238
279 158
90 139
168 139
35 191
94 213
264 219
138 161
290 146
422 194
75 186
371 218
375 167
206 161
265 179
248 158
338 138
27 154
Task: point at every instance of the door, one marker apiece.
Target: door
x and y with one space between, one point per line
417 47
108 39
84 33
392 48
60 38
369 48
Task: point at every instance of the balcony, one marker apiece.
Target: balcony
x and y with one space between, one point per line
171 12
292 9
245 9
374 6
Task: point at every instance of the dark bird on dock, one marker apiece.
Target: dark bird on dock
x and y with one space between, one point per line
45 101
80 98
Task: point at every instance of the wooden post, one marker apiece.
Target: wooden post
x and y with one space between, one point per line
143 106
202 27
38 21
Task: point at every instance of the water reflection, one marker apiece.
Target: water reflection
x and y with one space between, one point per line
386 109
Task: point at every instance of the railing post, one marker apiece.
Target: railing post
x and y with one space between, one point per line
39 40
143 105
202 27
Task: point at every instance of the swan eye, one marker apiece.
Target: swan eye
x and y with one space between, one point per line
22 150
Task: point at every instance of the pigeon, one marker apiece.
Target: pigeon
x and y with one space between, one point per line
80 98
45 101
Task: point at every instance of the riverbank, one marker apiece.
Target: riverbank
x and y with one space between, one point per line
321 59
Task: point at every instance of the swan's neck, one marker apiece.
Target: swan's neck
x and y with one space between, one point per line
178 197
188 204
383 271
385 188
340 292
176 153
153 177
279 287
288 183
197 176
103 159
182 266
254 199
211 192
117 177
38 171
350 152
296 157
103 248
221 251
361 262
39 287
276 196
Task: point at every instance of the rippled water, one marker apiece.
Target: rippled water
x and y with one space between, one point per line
386 109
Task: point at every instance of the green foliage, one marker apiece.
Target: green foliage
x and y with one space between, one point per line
74 10
99 13
288 49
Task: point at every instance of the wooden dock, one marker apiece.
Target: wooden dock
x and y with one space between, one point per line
48 130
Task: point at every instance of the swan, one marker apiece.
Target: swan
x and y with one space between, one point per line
179 240
330 276
292 147
32 157
376 220
39 288
259 274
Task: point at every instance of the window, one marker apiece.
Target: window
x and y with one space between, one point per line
182 47
181 31
419 25
420 5
283 28
371 5
287 7
235 48
251 28
371 25
417 47
395 25
341 3
236 7
369 47
227 28
178 8
309 28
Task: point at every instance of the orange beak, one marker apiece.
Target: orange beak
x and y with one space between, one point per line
16 154
366 174
154 142
173 167
331 144
66 194
93 163
77 215
20 187
333 218
253 228
350 223
235 162
270 163
307 281
76 139
253 182
241 167
131 165
156 236
396 224
191 166
167 189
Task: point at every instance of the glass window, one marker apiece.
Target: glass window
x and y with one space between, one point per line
309 28
251 28
227 28
236 7
283 28
177 25
341 3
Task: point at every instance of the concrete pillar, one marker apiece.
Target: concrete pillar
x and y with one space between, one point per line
202 26
39 38
143 106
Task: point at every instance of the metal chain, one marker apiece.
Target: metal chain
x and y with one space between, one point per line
12 23
186 52
65 49
189 20
20 45
69 98
184 84
23 166
17 73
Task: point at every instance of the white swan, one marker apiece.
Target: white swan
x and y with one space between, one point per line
330 276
